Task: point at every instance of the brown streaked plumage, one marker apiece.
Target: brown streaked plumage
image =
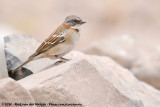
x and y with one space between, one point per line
59 43
53 39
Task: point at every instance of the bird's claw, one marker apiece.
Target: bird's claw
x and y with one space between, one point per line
63 60
58 62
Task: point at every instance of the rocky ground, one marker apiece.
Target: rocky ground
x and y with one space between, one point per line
85 80
138 54
89 80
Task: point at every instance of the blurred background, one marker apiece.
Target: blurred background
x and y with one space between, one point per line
104 17
126 30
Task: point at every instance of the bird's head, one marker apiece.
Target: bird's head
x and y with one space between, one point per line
74 21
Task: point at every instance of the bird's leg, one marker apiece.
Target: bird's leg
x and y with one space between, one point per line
64 59
61 60
58 62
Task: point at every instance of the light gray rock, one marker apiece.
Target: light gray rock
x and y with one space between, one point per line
23 46
92 81
18 48
140 55
12 60
4 31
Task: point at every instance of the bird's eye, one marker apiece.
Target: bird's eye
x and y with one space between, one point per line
76 21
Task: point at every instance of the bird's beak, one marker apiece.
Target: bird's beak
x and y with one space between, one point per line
82 22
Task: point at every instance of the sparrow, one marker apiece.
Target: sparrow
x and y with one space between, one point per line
59 43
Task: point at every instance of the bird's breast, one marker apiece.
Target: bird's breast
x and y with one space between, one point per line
72 36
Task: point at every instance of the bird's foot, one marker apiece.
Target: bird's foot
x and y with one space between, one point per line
62 60
59 62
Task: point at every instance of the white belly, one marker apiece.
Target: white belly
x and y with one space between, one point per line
66 48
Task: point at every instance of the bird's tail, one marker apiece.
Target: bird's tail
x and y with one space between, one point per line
28 60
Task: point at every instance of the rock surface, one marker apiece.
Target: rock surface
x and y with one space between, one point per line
4 31
92 81
139 55
12 61
12 92
20 48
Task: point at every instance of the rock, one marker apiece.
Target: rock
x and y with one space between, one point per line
12 92
12 61
140 55
18 48
92 81
4 31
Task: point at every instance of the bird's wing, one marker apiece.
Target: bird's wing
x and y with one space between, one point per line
55 38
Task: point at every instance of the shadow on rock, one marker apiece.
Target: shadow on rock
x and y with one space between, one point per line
21 73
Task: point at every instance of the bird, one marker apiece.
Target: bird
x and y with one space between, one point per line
59 43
